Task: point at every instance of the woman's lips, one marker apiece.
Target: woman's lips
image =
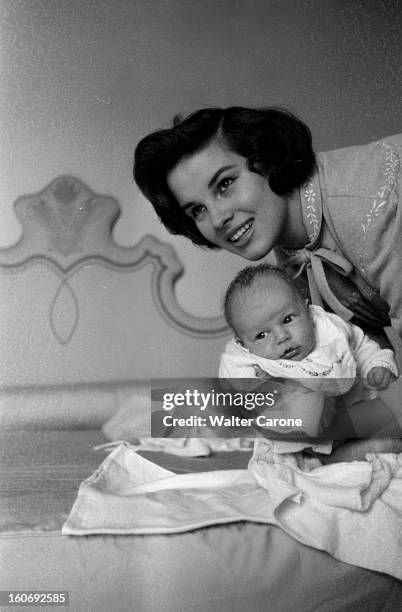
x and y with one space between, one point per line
242 232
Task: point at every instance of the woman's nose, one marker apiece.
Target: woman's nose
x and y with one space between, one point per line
219 214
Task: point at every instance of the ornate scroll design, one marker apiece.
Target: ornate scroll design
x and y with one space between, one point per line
67 227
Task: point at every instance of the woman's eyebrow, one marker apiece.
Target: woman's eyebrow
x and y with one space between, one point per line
210 184
218 173
189 205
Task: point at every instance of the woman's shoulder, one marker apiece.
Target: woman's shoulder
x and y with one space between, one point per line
394 140
360 171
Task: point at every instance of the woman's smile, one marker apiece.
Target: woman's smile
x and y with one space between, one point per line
232 206
243 232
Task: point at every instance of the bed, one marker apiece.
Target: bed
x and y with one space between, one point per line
77 310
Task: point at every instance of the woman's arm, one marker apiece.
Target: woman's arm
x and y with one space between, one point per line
383 254
364 213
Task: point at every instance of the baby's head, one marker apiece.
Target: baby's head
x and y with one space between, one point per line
267 314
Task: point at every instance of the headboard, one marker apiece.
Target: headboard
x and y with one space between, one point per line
79 309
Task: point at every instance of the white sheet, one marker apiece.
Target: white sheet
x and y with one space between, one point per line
224 568
129 494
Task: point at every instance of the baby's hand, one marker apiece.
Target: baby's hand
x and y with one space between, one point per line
379 377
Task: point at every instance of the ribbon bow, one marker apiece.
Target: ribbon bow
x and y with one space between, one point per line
312 261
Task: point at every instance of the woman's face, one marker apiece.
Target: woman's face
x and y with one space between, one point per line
232 207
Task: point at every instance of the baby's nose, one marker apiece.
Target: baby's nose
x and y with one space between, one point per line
282 335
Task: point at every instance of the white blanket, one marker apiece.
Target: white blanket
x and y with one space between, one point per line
351 510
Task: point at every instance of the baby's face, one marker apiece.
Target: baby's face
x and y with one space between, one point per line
273 322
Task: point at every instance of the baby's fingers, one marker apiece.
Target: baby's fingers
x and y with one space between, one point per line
379 378
386 380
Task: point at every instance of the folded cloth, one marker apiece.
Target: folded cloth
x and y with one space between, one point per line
131 495
351 510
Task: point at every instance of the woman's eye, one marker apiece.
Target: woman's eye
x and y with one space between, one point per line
225 184
197 211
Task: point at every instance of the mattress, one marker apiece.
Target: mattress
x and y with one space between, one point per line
241 566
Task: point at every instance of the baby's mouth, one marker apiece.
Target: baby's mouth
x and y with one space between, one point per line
290 353
241 231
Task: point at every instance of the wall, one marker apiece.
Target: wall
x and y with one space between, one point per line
83 81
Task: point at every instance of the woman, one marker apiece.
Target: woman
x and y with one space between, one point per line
248 181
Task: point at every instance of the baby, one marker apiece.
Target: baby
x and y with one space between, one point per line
278 334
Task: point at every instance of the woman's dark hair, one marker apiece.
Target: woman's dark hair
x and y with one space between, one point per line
275 143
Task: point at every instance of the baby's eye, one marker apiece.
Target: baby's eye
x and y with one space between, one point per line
197 211
224 184
262 335
288 319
